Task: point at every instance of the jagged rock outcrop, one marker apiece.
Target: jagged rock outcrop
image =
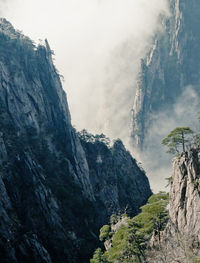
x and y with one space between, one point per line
171 67
114 184
54 196
180 242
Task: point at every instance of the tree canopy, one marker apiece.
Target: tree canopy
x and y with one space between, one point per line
130 240
98 257
177 139
84 135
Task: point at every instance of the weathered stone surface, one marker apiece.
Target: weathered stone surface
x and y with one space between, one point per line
171 67
180 241
112 178
54 196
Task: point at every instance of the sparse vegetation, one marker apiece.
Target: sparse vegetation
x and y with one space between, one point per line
169 181
177 138
130 241
98 257
88 137
104 233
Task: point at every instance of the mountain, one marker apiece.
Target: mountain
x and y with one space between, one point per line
167 96
180 240
57 188
169 76
167 229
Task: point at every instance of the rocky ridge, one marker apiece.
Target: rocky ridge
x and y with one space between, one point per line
171 67
180 241
54 194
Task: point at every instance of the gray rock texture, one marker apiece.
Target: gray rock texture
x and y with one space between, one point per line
54 195
180 241
112 179
171 67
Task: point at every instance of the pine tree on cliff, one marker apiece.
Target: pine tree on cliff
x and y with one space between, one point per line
177 138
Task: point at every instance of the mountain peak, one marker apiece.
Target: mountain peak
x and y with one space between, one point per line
7 28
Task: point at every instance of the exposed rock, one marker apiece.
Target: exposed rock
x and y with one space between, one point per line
180 242
122 221
112 179
172 65
54 195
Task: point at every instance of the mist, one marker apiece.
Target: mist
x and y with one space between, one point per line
98 47
156 161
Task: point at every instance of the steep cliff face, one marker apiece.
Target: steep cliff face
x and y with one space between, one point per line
112 179
184 194
162 232
172 65
181 239
50 208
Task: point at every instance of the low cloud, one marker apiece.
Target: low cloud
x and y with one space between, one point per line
3 6
183 113
98 46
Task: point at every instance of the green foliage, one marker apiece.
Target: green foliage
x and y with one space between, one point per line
98 257
119 244
161 196
130 241
114 219
196 183
177 138
104 233
84 135
154 214
197 140
169 180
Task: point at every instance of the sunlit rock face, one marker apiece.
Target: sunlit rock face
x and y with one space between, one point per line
180 240
184 194
171 67
55 190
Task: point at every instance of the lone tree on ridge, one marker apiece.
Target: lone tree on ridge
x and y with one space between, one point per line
177 138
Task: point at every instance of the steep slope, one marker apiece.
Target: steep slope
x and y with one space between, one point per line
50 206
181 238
171 68
162 232
112 179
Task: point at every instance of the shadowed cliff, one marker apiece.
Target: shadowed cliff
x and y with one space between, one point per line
54 196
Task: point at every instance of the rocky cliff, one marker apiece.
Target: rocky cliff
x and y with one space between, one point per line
111 177
180 242
171 67
163 232
55 190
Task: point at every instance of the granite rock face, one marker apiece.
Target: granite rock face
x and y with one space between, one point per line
180 241
171 67
54 195
184 194
112 179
